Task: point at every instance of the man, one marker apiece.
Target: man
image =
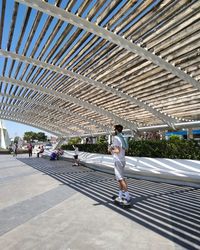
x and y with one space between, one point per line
117 149
15 149
30 149
76 153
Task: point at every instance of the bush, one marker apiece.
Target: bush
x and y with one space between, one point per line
102 139
174 138
91 148
74 141
6 151
174 149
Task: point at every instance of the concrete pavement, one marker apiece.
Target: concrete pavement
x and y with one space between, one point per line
52 205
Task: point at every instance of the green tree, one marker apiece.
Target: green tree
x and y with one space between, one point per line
16 140
75 140
30 136
41 136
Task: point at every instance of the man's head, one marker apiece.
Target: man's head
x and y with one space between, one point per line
118 129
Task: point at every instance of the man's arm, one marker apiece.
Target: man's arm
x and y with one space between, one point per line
116 145
116 149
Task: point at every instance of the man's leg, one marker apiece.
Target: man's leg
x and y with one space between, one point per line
123 188
119 174
123 185
78 161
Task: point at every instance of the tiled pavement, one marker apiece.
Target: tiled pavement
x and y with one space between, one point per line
41 213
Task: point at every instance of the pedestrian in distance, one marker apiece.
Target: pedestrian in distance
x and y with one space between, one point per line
30 149
117 149
76 153
40 151
15 149
53 156
60 152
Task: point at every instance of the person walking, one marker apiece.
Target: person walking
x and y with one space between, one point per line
117 149
30 149
15 149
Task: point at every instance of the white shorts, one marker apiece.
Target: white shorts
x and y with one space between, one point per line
119 170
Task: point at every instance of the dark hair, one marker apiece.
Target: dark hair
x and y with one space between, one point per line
119 128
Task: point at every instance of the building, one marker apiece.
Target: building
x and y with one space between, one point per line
185 134
4 138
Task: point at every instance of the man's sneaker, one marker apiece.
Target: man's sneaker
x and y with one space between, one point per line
127 202
118 199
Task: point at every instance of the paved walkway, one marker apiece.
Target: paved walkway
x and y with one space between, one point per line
52 205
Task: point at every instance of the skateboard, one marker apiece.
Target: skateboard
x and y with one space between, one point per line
121 204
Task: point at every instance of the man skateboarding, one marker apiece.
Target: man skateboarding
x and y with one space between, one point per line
117 149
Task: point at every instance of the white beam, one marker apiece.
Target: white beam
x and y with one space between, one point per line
110 36
162 116
62 111
71 99
15 119
30 118
36 112
180 125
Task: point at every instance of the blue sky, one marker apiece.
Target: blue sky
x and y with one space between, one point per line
18 129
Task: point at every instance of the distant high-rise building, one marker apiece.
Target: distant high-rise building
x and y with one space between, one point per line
4 138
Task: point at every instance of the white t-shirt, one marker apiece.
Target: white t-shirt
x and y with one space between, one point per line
121 155
76 152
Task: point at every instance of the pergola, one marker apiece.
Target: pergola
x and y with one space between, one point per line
76 67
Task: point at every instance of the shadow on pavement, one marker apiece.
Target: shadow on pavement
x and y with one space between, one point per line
169 210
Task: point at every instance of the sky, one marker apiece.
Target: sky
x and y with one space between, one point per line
17 129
